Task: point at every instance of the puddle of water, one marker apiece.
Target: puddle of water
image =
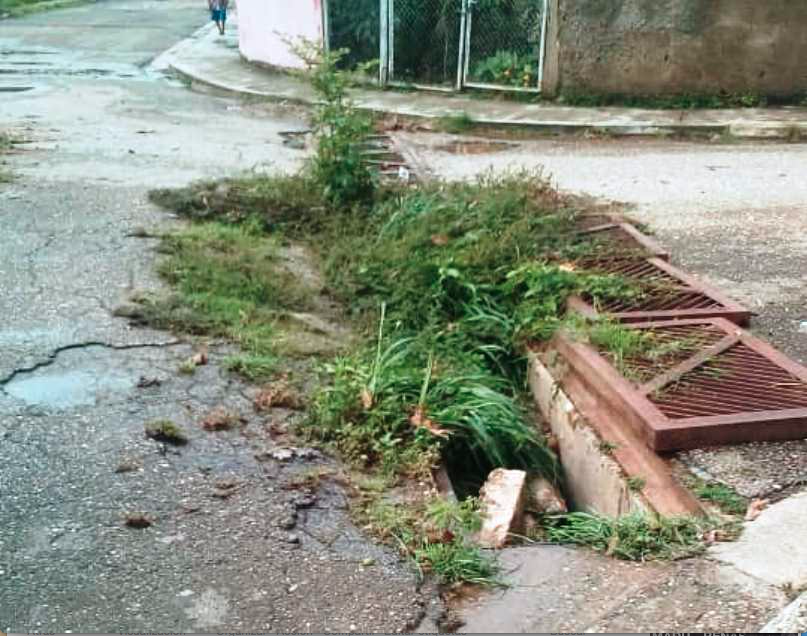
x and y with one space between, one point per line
66 390
475 147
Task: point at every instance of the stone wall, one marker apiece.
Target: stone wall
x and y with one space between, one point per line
658 47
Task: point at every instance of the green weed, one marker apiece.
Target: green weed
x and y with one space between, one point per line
635 537
725 497
166 431
456 124
437 536
338 166
636 484
228 281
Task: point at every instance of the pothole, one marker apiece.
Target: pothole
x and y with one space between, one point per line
475 147
79 377
67 389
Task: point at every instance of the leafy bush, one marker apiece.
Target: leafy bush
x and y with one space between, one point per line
508 68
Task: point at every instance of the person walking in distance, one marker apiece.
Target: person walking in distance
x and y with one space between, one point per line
218 13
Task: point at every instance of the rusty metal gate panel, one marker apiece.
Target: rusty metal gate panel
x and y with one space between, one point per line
668 293
714 384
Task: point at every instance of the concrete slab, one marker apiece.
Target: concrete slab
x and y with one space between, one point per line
772 548
556 589
502 500
215 60
792 619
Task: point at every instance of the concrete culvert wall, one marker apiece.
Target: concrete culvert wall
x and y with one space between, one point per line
667 47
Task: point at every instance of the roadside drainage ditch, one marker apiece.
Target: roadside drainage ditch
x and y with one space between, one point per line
706 383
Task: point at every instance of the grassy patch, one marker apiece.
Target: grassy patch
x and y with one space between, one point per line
437 537
725 497
229 281
635 537
166 431
456 124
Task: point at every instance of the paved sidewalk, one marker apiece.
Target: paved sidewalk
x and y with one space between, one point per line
211 59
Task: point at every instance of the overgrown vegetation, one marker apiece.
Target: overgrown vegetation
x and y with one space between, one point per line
447 283
227 282
437 536
636 537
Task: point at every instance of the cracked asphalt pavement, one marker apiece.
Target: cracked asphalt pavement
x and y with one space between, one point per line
237 542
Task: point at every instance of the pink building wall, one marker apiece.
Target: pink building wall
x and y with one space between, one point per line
263 24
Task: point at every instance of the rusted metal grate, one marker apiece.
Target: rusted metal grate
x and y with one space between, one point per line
613 230
386 156
720 386
667 293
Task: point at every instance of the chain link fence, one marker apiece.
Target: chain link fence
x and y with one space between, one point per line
426 41
505 43
354 25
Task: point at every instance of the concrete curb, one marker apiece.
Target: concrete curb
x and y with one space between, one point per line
786 130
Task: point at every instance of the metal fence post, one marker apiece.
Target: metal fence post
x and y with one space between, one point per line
326 27
462 55
383 55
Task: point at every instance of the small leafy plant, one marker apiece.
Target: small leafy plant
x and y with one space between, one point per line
339 128
508 68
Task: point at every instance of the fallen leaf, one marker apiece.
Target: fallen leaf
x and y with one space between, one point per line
277 394
439 239
418 419
220 419
366 399
755 508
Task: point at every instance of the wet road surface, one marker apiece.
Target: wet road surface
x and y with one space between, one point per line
237 543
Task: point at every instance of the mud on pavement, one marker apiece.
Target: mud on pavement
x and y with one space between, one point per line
240 539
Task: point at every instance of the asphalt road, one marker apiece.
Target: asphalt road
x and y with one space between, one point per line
234 546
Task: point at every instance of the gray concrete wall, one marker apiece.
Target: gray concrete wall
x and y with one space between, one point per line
658 47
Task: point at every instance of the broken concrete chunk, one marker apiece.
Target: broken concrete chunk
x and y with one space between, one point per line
502 501
543 497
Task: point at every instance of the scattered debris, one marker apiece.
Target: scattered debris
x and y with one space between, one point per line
502 501
128 465
282 454
200 359
130 310
755 508
225 488
145 382
141 232
166 431
544 498
291 538
191 508
287 523
221 419
138 520
278 394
